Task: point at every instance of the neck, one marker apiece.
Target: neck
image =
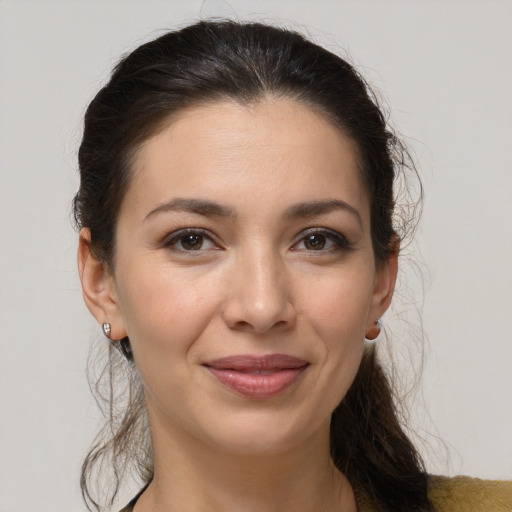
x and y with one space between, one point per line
196 476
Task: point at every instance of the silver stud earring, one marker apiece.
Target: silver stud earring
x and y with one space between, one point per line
106 329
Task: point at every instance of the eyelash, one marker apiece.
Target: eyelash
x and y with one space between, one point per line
340 241
177 236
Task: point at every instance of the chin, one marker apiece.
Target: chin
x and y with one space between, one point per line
264 432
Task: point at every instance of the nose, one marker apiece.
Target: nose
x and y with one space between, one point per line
259 298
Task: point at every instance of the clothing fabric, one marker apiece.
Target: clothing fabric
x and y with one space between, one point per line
456 494
460 494
463 494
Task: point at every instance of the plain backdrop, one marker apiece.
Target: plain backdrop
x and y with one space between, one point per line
445 70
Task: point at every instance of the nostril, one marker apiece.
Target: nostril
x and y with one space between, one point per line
243 325
257 327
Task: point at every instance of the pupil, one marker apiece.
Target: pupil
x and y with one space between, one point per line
192 241
315 242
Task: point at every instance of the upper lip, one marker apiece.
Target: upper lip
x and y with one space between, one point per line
248 362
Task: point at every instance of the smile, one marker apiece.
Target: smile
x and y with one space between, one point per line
257 377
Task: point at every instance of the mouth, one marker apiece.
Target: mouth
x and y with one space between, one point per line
257 376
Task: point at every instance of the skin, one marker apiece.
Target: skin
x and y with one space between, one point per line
253 285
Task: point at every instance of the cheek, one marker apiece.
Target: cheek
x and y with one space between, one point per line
338 313
165 311
338 306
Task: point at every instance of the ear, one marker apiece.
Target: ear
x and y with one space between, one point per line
384 286
98 288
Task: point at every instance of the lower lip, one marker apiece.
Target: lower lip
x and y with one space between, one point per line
254 385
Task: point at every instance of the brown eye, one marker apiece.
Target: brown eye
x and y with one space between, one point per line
322 241
191 242
315 242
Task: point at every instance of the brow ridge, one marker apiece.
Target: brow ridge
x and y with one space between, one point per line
210 208
192 205
315 208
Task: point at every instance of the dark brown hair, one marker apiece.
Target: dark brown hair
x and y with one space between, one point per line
245 62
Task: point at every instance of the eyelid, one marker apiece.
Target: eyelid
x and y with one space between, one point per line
171 238
338 238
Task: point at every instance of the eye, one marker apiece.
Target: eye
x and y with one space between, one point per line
315 242
321 240
190 240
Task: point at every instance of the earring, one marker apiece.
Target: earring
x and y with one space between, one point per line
106 329
374 332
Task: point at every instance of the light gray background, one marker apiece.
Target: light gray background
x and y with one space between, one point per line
445 69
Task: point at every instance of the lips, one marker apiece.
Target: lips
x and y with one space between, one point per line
257 376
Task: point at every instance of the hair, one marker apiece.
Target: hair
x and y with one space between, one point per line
244 62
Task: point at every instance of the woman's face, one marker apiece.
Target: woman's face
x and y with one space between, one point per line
244 275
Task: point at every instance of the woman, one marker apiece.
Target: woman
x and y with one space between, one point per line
239 245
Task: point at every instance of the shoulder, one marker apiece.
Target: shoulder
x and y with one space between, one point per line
465 494
455 494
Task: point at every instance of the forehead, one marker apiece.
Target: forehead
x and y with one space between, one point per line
226 149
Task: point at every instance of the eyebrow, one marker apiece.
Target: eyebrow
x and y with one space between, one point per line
198 206
212 209
315 208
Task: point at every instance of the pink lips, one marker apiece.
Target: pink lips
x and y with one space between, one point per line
257 376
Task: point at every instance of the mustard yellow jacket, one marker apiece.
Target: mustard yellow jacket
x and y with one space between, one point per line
461 494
